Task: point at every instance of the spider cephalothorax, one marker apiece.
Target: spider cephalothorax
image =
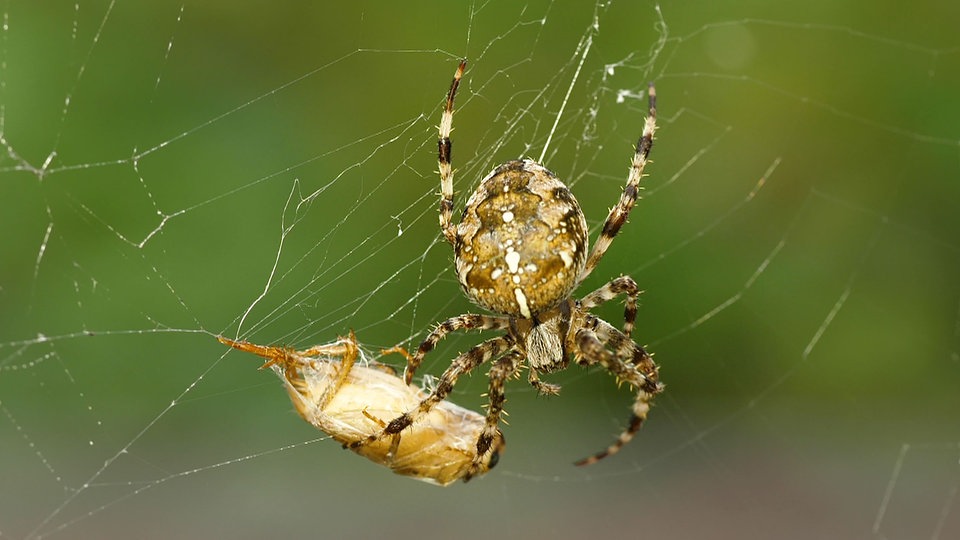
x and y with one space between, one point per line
521 250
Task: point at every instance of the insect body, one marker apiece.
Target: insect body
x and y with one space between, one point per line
350 400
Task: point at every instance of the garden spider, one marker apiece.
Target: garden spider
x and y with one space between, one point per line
520 251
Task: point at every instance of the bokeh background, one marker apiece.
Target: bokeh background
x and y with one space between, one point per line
175 171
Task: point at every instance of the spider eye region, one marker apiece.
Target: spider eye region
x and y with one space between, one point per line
522 241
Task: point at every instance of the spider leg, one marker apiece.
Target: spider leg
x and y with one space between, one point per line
394 442
618 214
461 364
461 322
639 372
505 368
622 285
446 169
625 348
630 362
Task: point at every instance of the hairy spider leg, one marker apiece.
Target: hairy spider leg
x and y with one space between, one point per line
446 168
453 324
618 214
624 285
504 369
631 364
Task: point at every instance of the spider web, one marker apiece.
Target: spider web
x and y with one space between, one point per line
171 172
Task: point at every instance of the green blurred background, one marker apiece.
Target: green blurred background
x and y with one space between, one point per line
174 171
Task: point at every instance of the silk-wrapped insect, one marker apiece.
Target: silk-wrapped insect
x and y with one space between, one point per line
351 400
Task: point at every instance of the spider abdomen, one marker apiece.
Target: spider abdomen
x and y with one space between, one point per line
522 241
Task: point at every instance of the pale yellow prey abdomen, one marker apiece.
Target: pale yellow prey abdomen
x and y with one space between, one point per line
350 401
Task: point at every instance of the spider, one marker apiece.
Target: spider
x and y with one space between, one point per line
520 251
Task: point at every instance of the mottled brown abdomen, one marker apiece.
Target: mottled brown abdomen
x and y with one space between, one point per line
522 241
